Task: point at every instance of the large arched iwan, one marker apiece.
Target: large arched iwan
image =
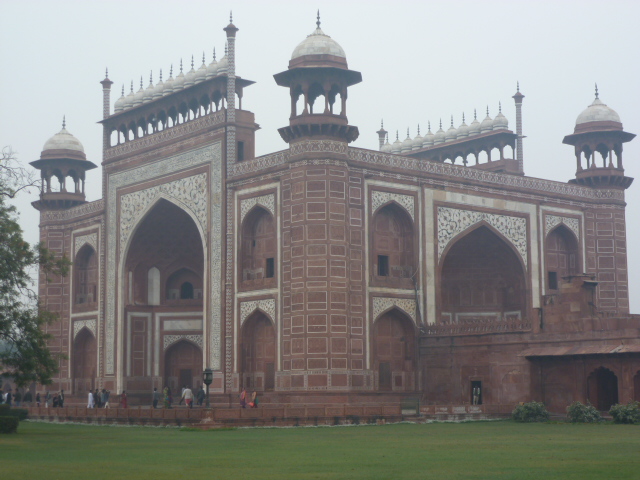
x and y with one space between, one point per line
481 278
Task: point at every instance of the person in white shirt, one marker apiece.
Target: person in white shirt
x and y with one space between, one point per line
90 401
187 396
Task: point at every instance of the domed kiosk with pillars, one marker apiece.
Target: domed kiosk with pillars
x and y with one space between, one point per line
325 273
62 157
599 131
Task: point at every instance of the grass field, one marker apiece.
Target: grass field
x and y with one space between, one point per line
496 450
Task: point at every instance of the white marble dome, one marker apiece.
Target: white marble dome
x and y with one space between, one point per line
463 130
500 122
474 127
120 103
451 133
598 112
407 144
318 43
397 146
168 85
417 142
428 139
128 103
63 140
439 136
487 124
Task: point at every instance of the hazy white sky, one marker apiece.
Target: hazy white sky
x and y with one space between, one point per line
420 61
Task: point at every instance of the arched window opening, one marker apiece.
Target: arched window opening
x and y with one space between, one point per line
394 351
258 249
184 284
602 389
482 279
316 91
561 256
393 246
258 353
86 276
186 291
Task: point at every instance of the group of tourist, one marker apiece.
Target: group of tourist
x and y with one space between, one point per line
187 396
253 402
17 399
100 399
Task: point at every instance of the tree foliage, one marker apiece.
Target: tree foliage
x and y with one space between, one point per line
24 354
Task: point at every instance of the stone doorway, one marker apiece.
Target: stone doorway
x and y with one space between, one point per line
183 366
258 353
394 351
602 389
84 361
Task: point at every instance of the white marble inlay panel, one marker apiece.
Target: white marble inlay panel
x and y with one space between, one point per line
81 240
172 325
267 201
406 201
80 324
171 339
453 221
553 220
268 306
380 304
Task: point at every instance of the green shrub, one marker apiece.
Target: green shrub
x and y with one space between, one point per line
4 408
530 412
629 413
9 424
19 413
579 413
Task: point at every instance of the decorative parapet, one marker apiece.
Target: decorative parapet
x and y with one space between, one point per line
75 212
259 163
466 173
478 326
168 134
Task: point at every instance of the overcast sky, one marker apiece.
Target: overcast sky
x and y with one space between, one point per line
420 61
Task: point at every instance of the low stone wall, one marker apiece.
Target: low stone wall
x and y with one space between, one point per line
279 416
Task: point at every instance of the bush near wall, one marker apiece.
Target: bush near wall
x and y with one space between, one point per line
629 413
580 413
9 424
530 412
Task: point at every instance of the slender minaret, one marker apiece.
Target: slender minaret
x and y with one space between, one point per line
519 153
231 30
106 105
382 134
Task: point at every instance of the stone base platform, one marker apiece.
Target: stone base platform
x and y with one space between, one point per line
268 416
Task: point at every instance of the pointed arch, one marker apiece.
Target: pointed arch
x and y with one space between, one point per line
183 362
562 257
258 248
257 351
394 351
393 239
85 272
84 360
495 288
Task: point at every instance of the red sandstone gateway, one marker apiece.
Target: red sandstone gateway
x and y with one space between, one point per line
431 270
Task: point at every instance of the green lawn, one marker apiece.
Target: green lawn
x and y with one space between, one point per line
496 450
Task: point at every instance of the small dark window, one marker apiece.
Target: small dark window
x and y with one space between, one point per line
240 151
186 291
271 268
383 265
553 280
